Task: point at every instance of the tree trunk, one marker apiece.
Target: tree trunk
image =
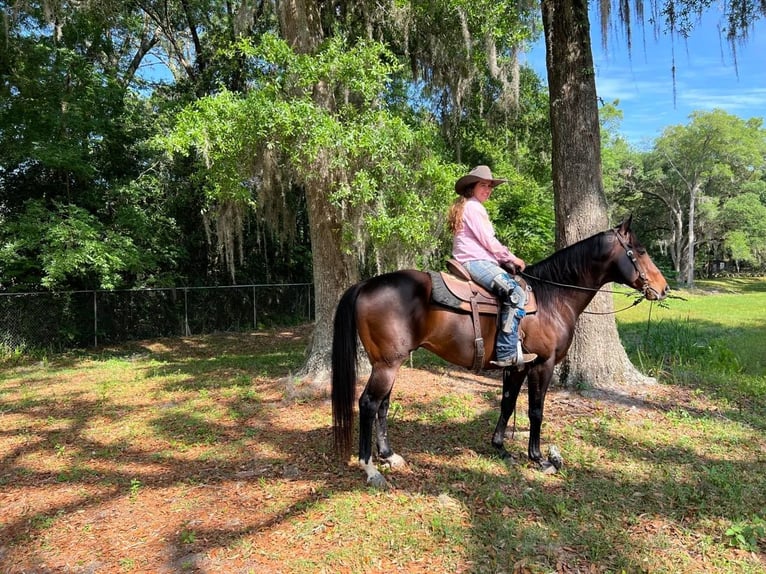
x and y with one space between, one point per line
597 357
333 267
677 221
690 238
334 271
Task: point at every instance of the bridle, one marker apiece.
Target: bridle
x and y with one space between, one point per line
631 257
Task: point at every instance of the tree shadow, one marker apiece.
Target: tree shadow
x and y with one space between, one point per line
742 285
586 517
581 518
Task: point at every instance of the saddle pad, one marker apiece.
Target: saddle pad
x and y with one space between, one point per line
440 293
457 293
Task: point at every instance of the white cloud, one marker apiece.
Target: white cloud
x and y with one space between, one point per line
751 101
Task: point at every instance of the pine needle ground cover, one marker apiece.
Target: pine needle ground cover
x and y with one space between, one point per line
204 454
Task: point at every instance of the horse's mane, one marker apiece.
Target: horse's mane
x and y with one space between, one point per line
566 266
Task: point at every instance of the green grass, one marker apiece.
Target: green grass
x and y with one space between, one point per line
712 338
179 452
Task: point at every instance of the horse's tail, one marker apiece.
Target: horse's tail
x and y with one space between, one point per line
344 354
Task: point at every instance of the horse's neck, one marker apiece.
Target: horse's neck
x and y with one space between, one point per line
582 299
577 288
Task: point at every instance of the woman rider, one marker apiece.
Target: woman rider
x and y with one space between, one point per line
486 260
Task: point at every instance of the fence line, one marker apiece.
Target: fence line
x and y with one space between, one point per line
69 319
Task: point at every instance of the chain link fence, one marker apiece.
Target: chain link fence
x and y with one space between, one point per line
76 319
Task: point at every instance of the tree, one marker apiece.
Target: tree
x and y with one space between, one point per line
701 165
596 358
68 133
367 170
744 229
577 180
377 180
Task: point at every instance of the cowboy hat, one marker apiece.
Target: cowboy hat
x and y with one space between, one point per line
479 173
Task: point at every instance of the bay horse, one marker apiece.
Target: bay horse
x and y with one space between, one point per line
393 314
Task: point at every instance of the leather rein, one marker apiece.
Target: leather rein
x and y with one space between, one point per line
631 256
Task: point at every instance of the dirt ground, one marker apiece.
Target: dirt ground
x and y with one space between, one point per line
74 503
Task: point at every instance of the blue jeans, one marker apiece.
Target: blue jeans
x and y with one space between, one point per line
510 295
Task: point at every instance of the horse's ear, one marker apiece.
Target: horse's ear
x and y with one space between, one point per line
624 227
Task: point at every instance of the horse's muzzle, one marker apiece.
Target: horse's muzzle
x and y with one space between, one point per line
653 295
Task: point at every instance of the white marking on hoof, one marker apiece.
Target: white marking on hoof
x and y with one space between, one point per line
394 461
555 458
374 478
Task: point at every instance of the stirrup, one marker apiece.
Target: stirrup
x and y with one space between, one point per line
511 361
520 359
525 357
528 357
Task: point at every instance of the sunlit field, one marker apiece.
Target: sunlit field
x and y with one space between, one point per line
204 454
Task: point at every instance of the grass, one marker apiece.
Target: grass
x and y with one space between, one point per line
199 455
711 339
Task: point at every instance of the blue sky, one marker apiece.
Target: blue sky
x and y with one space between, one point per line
706 76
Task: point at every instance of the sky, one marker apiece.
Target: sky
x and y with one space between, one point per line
707 76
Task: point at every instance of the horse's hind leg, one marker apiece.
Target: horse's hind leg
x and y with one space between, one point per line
373 404
385 452
512 380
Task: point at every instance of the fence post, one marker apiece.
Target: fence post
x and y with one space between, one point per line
187 331
255 312
95 320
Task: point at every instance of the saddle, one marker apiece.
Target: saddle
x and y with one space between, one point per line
457 290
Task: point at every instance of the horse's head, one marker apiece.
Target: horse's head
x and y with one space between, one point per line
634 266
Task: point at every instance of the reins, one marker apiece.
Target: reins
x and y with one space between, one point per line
636 302
581 288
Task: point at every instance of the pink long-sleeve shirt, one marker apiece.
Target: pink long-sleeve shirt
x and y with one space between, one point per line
476 240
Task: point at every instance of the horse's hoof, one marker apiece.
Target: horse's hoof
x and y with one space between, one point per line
377 481
555 458
394 461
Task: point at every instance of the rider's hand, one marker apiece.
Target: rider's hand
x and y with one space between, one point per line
509 267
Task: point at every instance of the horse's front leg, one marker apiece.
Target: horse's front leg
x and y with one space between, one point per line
537 383
512 381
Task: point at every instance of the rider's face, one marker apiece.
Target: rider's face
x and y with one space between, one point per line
482 190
